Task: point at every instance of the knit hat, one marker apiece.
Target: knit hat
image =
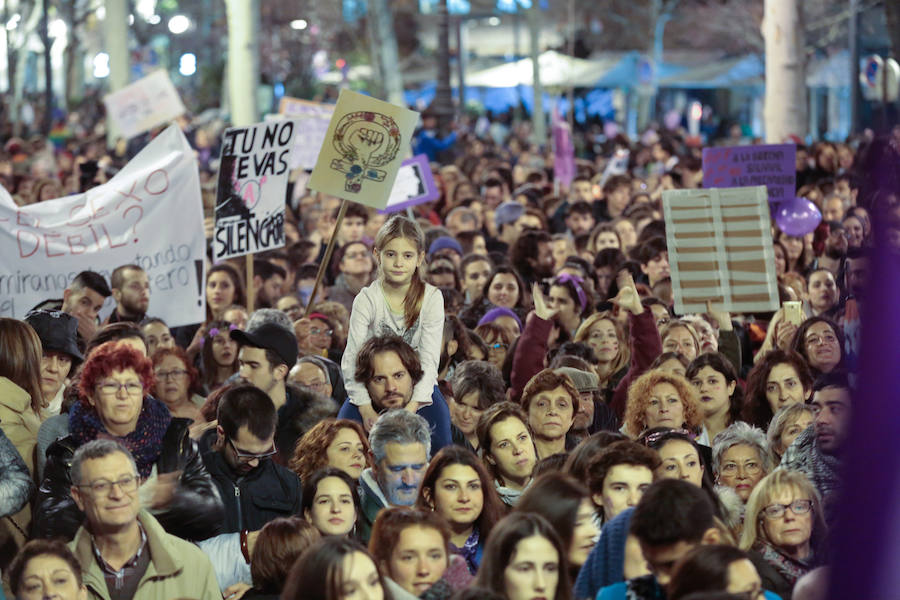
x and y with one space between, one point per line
584 380
442 243
500 311
508 212
605 564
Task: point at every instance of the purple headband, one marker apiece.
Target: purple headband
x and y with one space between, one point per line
497 312
577 282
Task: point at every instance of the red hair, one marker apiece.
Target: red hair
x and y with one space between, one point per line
177 352
110 357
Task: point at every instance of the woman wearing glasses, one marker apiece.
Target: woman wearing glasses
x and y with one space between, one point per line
784 530
741 458
115 403
177 383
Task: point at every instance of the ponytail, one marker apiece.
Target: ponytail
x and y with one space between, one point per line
412 302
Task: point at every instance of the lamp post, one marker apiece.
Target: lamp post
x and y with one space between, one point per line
443 98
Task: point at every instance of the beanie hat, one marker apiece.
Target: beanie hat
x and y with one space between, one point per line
508 212
442 243
500 311
584 381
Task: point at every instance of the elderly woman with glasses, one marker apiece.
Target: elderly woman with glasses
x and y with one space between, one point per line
784 530
741 458
115 403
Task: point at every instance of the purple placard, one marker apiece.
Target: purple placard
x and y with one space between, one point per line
414 185
773 166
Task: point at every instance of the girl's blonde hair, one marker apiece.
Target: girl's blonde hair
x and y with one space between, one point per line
399 226
624 354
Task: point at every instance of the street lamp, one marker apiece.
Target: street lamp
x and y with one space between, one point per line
299 24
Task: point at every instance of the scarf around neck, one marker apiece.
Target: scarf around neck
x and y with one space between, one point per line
144 443
787 567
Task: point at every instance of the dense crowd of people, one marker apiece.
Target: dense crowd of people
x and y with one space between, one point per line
489 396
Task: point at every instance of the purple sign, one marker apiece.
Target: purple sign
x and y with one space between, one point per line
773 166
414 185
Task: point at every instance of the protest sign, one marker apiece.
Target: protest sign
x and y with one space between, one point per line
720 249
144 104
313 119
129 220
414 185
773 166
250 195
563 151
363 149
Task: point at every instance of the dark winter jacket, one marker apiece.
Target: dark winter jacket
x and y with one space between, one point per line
265 493
195 511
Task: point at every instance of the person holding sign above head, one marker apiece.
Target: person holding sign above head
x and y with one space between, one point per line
398 302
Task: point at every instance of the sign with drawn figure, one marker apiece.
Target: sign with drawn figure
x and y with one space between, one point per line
771 165
720 249
363 149
414 185
312 125
250 195
144 104
150 214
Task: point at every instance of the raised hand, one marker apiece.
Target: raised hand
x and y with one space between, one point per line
540 304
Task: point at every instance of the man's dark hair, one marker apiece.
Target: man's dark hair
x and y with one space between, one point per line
619 453
247 405
581 207
615 182
365 368
91 280
266 270
356 210
609 257
466 239
835 379
672 511
650 250
116 280
492 182
526 247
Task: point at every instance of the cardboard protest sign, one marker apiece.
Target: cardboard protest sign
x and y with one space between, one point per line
773 166
363 149
313 119
129 220
720 249
250 195
414 185
144 104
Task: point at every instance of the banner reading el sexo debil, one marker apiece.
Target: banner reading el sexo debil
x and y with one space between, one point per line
149 214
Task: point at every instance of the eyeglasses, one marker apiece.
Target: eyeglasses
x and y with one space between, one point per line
173 374
815 340
798 507
751 468
317 331
111 388
246 457
318 386
355 255
498 346
101 487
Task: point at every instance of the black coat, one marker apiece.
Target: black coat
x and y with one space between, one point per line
265 493
194 512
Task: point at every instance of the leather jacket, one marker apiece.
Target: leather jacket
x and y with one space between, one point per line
194 512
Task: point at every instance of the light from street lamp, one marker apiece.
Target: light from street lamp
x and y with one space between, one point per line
179 24
299 24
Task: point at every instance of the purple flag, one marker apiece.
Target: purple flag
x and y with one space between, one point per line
563 151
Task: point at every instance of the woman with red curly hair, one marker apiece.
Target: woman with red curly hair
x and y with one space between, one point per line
660 399
339 443
177 383
115 403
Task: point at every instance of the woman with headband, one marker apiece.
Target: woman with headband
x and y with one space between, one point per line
571 301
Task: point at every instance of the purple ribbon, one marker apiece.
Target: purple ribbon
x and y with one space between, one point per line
577 282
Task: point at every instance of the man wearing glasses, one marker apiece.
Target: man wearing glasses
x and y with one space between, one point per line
253 488
124 552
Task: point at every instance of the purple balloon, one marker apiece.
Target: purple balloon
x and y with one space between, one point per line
797 216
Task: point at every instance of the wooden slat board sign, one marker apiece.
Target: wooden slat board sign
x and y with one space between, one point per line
720 249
